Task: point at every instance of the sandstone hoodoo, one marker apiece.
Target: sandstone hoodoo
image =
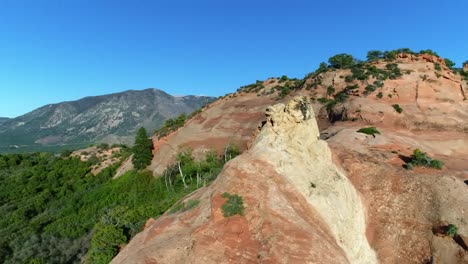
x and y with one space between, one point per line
356 163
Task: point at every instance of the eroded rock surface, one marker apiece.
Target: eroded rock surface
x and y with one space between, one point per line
299 207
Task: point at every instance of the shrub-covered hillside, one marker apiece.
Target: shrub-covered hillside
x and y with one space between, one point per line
55 211
373 71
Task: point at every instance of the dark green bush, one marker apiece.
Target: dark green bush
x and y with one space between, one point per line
374 55
359 74
103 146
419 158
369 131
390 55
65 153
452 230
285 90
323 100
397 108
323 67
171 125
437 66
341 96
254 87
351 87
449 63
430 52
342 61
93 160
378 83
394 70
234 205
349 78
370 88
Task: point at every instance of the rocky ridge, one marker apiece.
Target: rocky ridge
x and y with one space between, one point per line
291 214
430 100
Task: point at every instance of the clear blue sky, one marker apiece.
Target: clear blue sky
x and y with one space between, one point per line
52 50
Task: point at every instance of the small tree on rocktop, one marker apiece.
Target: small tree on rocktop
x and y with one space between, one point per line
142 150
342 61
374 55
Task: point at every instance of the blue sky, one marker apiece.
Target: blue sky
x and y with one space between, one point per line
52 51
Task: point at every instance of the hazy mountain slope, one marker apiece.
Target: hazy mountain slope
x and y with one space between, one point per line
111 118
3 119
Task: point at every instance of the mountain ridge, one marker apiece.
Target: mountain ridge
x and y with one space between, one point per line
110 118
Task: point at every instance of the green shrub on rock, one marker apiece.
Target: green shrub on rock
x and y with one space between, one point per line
234 205
452 230
397 108
421 159
369 131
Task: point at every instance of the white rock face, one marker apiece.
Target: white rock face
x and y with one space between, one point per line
290 142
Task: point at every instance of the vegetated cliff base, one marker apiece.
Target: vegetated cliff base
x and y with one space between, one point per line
343 199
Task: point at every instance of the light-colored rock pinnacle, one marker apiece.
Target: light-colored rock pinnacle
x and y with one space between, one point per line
290 142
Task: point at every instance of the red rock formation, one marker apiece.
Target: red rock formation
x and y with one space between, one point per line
213 128
285 220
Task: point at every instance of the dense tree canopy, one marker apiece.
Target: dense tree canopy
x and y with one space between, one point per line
342 61
374 55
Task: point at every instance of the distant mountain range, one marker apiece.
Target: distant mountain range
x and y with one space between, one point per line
112 118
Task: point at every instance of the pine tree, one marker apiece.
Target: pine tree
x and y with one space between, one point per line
142 150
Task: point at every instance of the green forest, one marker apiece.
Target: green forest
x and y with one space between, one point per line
53 210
